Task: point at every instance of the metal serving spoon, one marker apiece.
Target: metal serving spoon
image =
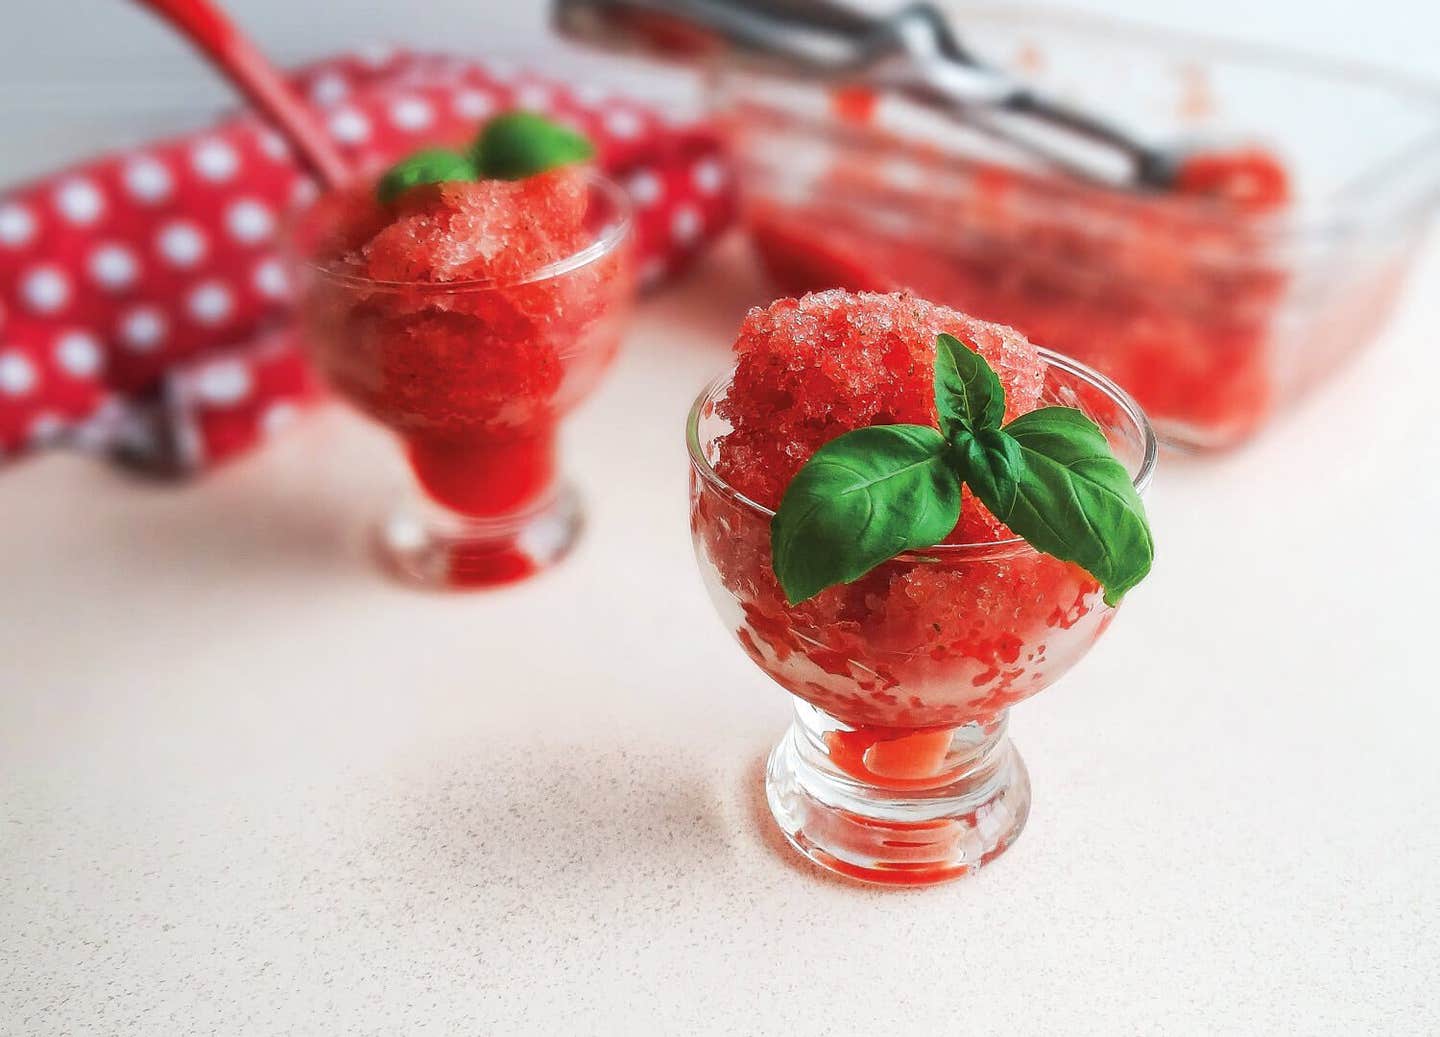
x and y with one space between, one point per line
913 52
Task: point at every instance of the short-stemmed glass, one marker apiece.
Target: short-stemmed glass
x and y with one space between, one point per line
475 377
897 768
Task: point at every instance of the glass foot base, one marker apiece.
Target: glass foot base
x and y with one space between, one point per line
942 804
423 544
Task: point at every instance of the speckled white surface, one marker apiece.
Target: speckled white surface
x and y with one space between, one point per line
250 788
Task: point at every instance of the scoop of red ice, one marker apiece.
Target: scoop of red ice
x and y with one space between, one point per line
810 369
464 231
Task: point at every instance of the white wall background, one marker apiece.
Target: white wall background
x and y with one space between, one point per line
65 62
51 50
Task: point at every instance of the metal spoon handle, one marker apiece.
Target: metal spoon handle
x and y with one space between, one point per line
913 51
788 37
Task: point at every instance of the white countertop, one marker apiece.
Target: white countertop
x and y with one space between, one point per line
249 787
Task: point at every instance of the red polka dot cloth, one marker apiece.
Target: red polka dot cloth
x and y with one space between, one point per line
143 303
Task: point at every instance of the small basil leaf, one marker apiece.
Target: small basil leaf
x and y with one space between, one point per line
861 500
1075 500
520 144
968 394
991 465
432 166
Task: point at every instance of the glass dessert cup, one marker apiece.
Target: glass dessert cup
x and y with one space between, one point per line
474 377
897 769
1215 318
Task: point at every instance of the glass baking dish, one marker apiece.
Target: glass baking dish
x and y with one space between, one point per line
1214 316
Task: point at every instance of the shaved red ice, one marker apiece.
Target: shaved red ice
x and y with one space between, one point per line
811 369
925 640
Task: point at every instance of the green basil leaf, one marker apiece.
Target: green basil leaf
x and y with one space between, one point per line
861 500
991 464
968 394
520 144
432 166
1075 500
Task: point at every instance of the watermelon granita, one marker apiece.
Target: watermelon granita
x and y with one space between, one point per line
919 643
904 675
468 317
1173 296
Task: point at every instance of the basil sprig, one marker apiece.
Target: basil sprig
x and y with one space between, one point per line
511 146
431 166
520 144
862 499
876 492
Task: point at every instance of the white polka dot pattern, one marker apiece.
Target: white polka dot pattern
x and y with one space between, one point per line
210 303
644 188
250 222
591 95
272 145
472 104
46 289
412 114
349 127
223 382
182 244
78 353
79 201
305 191
533 97
17 226
215 160
143 328
270 279
686 225
278 416
137 267
114 267
329 90
624 124
709 176
17 374
148 181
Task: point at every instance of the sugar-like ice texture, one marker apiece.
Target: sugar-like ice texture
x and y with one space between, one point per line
921 641
485 230
811 369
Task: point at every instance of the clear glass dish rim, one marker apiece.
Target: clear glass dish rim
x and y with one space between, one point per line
996 548
1139 30
1332 219
612 236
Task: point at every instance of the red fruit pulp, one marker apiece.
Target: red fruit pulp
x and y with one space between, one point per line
451 317
1171 297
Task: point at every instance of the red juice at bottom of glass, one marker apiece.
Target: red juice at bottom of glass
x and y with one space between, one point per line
474 367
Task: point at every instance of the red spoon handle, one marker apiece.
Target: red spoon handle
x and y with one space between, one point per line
247 68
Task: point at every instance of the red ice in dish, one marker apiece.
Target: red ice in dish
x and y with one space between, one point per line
468 317
811 369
